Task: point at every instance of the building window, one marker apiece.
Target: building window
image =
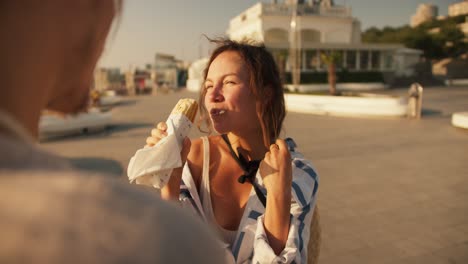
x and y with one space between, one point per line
364 59
375 60
312 61
276 35
388 60
339 63
310 35
281 58
321 64
351 60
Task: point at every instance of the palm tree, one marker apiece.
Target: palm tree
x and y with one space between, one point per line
331 59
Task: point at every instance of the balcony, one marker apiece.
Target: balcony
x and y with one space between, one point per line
305 10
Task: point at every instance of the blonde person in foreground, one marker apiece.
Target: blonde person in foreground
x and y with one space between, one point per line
50 213
254 189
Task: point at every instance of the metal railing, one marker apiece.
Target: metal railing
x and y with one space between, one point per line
304 10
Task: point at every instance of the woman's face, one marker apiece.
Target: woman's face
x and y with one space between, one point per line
229 100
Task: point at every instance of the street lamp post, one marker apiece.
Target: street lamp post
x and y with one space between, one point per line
295 48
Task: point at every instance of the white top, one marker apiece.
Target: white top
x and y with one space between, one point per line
228 236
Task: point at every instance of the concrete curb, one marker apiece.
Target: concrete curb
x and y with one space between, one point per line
365 104
460 119
304 88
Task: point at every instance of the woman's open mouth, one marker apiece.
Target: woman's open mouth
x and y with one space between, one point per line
217 112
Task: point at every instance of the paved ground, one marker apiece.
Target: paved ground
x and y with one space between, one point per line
391 190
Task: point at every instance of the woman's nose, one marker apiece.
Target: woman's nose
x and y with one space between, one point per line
218 98
216 95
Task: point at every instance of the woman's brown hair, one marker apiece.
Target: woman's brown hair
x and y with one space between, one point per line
265 85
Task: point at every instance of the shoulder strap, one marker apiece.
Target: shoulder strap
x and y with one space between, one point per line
250 170
206 158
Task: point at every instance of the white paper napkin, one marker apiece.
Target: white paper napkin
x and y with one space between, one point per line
153 166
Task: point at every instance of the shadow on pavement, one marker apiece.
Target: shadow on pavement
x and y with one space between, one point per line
108 131
115 128
430 112
98 165
124 103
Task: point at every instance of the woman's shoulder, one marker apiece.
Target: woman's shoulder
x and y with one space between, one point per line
196 149
196 154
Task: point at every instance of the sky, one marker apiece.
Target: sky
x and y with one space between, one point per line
176 27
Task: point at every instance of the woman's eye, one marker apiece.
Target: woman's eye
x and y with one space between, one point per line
208 87
229 82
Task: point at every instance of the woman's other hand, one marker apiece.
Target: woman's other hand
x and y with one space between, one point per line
276 169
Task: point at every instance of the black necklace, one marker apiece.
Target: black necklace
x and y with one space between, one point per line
250 170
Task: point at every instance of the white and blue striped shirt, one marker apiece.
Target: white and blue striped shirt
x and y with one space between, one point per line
251 243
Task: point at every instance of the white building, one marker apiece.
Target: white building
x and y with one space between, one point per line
195 74
459 8
323 27
425 12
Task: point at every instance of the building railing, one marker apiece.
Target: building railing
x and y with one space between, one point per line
304 10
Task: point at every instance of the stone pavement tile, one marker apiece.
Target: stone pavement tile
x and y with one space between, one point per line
450 255
341 258
340 246
456 254
429 258
336 228
451 236
342 214
453 216
382 253
462 228
420 245
378 236
403 230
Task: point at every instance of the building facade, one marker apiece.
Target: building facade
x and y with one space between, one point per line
321 27
165 67
460 8
425 12
108 79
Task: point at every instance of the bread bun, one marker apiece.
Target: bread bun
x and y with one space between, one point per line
187 107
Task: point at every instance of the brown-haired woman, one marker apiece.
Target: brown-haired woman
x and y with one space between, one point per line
253 188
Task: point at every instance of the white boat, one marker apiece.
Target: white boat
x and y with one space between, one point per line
110 98
55 125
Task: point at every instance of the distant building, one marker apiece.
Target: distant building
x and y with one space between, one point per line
139 81
424 13
170 72
101 81
460 8
108 79
165 67
464 27
323 27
